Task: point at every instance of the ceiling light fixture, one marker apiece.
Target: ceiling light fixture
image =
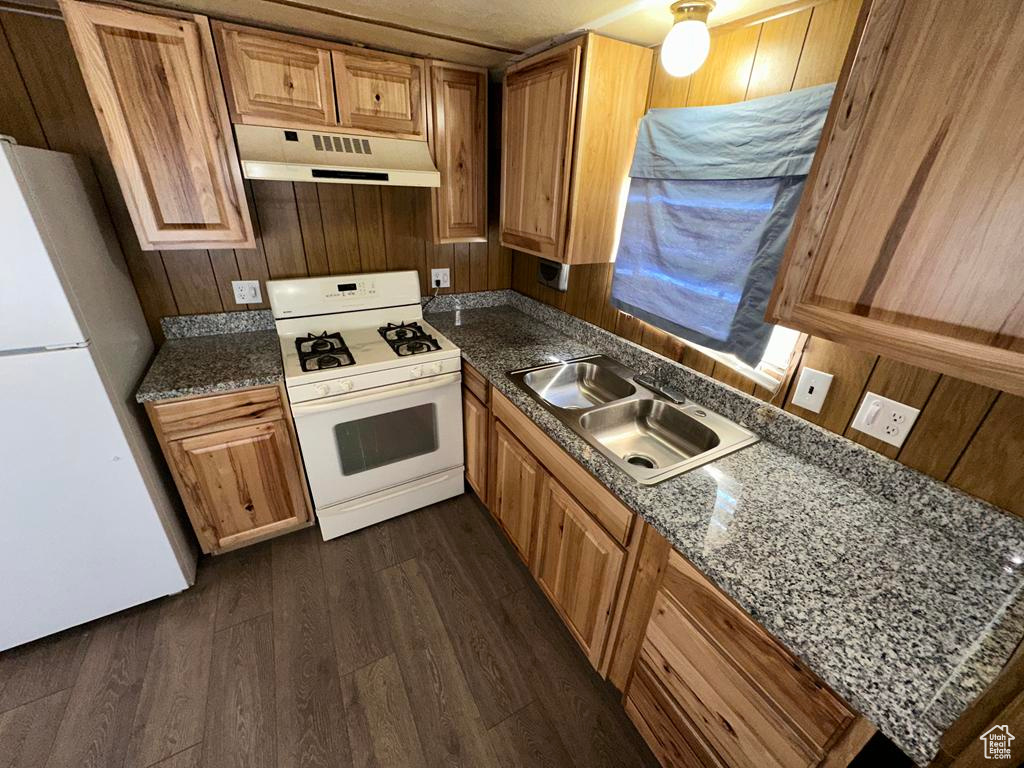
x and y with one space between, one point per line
688 42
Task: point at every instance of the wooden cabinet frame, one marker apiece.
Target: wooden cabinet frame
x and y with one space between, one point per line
246 109
188 426
200 202
459 145
866 82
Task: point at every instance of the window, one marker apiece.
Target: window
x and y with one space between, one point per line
713 194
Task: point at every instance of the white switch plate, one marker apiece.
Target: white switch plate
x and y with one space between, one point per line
442 275
811 389
247 291
886 419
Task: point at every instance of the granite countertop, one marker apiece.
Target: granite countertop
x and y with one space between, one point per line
907 609
205 365
904 595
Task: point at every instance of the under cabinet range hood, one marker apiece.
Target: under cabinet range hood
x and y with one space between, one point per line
282 154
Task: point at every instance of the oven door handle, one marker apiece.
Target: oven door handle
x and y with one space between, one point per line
378 393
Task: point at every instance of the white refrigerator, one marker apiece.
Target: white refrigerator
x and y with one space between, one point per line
87 522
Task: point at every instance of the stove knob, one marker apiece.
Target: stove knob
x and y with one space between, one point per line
415 372
345 386
322 389
434 369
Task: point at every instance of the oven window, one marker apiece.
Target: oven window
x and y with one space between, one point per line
377 441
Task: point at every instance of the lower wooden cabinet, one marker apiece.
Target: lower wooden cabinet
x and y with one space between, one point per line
710 687
517 477
476 424
236 464
578 565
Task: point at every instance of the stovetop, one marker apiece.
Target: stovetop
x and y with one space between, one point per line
313 351
408 339
321 351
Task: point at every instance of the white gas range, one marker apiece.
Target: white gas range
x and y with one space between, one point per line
376 396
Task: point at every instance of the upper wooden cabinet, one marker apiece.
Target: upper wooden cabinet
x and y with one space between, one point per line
380 92
275 79
569 126
300 82
153 83
908 237
459 143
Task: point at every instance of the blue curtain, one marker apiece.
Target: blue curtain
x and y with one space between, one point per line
712 197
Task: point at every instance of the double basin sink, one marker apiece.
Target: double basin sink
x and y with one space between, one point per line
649 432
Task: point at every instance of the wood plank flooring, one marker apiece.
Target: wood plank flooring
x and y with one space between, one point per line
418 643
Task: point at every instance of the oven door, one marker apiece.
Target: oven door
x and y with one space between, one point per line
365 442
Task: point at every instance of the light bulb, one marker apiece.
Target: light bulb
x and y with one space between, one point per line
685 48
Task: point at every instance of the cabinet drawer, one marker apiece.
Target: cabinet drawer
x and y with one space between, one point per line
475 382
812 709
731 713
667 731
199 415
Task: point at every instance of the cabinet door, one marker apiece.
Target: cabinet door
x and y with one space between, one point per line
908 237
538 120
459 101
380 93
578 565
154 85
475 418
516 482
274 79
240 484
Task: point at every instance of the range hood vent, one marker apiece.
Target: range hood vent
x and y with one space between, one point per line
281 154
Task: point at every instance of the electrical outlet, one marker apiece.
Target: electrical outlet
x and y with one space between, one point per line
247 291
811 389
440 278
888 420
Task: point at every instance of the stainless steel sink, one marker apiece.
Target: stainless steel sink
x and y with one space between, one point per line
647 432
577 385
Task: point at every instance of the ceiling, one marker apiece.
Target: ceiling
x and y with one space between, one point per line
480 32
525 24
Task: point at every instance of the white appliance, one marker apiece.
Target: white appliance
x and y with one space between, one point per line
296 155
87 526
375 393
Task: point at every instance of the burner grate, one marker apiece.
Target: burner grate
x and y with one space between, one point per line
408 339
320 351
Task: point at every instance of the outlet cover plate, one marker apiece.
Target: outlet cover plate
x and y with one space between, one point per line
247 291
811 389
888 420
442 275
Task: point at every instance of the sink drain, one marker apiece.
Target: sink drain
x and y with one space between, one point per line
639 460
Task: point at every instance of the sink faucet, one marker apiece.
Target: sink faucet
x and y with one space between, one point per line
674 394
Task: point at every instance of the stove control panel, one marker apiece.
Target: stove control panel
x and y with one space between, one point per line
301 393
362 288
429 369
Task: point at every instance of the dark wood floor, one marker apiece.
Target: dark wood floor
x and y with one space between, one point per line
420 642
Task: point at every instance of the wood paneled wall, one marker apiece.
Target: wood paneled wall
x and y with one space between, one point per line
302 229
967 435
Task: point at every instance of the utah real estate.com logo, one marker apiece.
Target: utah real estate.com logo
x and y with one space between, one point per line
997 742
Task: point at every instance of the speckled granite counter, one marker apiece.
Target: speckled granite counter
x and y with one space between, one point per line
205 365
901 593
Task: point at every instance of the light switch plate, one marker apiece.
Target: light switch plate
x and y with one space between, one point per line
811 389
247 291
440 278
888 420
